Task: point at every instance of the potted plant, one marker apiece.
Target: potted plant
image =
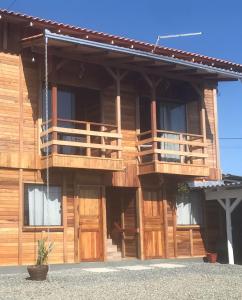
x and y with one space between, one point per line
212 257
39 271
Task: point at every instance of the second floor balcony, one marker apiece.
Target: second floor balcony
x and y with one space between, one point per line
172 153
79 144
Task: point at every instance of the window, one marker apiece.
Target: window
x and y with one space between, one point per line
171 117
40 211
189 209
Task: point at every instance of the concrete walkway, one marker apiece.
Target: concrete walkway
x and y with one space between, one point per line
85 265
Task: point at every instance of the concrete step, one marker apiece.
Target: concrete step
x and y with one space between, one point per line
112 251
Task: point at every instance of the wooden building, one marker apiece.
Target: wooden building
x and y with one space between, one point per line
116 126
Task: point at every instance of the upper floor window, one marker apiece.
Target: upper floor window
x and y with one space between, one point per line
40 210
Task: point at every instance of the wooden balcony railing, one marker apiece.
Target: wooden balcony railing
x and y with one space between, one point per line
80 138
171 147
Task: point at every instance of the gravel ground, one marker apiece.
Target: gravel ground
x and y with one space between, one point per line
194 281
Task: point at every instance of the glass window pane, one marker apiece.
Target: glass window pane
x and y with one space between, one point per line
38 209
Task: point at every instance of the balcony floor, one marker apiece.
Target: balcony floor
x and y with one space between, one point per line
173 168
83 162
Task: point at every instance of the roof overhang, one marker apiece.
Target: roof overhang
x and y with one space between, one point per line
129 58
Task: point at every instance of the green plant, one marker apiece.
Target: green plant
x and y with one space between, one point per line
183 188
43 251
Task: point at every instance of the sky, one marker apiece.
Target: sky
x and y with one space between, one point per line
219 20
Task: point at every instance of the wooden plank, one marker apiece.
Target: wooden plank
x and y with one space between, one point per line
21 193
79 144
191 241
76 219
64 218
215 111
139 208
172 141
165 223
174 232
104 221
82 132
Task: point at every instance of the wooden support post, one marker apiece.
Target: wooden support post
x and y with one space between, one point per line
203 128
137 124
118 77
103 150
140 223
215 111
191 241
54 114
153 111
88 128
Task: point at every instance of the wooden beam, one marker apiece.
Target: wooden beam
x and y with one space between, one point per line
106 63
153 110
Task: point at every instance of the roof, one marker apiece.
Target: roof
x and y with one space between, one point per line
214 184
85 33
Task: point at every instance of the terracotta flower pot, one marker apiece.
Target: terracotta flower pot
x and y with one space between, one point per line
38 272
212 257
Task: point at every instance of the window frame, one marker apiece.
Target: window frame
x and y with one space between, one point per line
55 228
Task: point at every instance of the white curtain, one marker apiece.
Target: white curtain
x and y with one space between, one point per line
189 209
43 211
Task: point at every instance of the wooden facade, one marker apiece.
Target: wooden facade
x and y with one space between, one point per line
102 157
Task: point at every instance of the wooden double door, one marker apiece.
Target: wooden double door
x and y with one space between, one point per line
89 223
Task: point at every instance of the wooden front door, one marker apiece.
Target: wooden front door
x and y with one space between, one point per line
90 224
153 223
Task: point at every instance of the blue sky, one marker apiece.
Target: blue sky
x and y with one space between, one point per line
219 20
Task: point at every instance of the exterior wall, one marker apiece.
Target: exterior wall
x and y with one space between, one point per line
210 102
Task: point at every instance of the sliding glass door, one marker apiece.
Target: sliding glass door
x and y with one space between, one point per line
171 118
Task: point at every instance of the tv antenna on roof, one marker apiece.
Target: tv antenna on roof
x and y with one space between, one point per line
159 37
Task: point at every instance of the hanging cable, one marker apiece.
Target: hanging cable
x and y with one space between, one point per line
47 140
